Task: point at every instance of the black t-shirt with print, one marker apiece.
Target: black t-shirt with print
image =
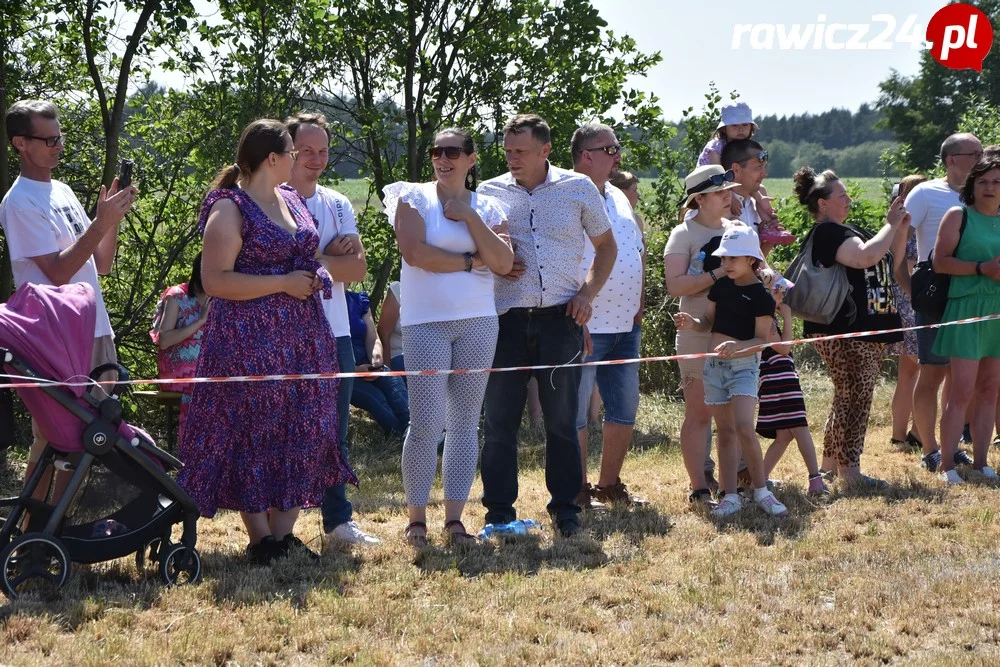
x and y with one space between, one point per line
738 307
871 289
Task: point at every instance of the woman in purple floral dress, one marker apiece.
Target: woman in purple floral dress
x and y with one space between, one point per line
268 448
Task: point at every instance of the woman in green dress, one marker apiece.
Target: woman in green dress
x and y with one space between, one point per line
972 257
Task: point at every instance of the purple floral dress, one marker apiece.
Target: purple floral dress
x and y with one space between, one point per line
251 446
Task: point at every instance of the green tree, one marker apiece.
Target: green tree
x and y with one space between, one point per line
924 109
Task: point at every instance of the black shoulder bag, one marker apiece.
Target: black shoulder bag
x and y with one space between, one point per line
929 288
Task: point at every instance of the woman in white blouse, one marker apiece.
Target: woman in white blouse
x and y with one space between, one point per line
452 241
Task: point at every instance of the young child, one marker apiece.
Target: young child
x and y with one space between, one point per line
782 414
737 123
739 315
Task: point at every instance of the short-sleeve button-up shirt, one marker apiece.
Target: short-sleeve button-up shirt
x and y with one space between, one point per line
547 225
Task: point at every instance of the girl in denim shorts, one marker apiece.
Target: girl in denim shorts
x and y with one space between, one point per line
739 315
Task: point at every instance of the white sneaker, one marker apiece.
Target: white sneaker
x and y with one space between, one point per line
988 472
767 502
730 504
350 533
951 477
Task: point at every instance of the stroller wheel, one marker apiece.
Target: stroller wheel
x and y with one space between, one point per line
170 566
147 558
33 557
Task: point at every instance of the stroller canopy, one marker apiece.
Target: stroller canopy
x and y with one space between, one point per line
52 330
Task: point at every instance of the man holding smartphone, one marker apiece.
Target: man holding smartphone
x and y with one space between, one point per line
50 237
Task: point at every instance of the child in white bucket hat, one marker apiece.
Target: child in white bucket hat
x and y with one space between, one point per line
739 315
736 123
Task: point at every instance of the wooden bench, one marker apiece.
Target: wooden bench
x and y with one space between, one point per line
171 402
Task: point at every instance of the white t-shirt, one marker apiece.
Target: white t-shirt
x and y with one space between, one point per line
426 296
40 218
334 217
749 213
927 204
617 303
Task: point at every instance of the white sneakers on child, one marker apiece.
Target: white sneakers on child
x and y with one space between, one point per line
951 477
732 503
767 502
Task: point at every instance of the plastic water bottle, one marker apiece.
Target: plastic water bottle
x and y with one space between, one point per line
697 264
518 527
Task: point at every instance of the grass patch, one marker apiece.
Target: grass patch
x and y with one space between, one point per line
906 576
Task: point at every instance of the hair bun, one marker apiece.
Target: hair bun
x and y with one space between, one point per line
804 180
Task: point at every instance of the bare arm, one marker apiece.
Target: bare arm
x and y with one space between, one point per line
949 234
786 330
857 255
169 334
222 244
372 343
492 243
679 283
99 241
387 319
732 349
605 253
344 258
411 237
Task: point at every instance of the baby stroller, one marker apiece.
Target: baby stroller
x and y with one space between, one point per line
47 333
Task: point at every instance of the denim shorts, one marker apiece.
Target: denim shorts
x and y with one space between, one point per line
618 384
725 378
925 342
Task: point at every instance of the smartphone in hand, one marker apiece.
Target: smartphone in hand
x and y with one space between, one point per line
125 176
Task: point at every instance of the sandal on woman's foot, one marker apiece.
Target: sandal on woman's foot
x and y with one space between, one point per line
458 536
416 534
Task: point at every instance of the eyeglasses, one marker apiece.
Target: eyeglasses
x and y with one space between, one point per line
450 152
978 154
294 154
51 142
714 179
612 149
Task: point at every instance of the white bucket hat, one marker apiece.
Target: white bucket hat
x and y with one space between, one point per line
736 114
739 240
707 178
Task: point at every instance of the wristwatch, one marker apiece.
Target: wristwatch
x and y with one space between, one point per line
468 262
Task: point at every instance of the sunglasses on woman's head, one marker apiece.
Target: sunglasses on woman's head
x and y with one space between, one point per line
714 179
450 152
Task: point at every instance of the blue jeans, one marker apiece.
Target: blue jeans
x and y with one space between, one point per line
726 378
618 384
386 400
336 508
533 336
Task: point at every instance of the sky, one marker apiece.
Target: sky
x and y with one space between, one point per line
696 39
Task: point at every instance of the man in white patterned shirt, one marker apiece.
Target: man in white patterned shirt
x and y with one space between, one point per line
543 306
614 332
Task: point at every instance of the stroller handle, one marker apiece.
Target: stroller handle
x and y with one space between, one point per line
122 376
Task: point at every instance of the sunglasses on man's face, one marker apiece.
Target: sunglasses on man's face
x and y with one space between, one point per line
450 152
610 149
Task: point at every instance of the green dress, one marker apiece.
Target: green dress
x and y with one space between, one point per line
973 296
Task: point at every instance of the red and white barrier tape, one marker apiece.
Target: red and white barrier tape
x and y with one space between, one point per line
23 382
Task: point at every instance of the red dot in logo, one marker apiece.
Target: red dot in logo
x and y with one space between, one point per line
961 36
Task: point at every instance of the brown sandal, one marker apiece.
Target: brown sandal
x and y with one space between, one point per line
413 538
456 537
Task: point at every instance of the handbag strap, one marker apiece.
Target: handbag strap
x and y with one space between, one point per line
961 230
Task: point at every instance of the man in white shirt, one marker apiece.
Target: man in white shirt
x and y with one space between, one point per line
927 203
343 255
50 237
614 333
543 305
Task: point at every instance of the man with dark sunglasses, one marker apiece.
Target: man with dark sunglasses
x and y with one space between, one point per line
543 303
614 332
51 239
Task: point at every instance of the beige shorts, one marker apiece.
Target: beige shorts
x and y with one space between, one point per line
692 343
104 353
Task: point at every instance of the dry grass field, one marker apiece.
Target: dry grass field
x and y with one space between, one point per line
908 576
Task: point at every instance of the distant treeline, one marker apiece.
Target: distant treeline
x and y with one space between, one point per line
846 141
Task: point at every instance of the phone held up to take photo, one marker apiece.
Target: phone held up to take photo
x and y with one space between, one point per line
125 177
